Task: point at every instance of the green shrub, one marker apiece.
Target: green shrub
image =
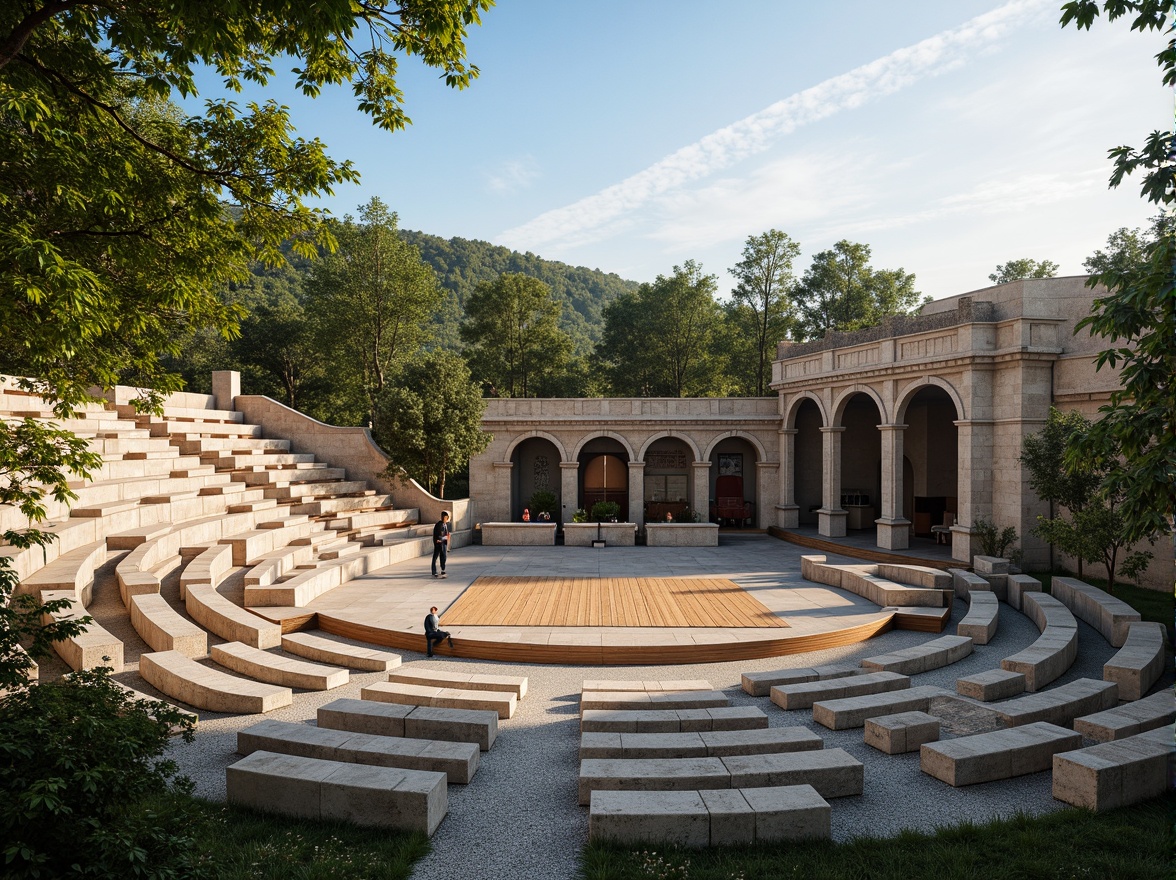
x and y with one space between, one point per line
994 543
580 516
605 511
543 500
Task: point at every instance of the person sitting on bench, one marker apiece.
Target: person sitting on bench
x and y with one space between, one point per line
434 633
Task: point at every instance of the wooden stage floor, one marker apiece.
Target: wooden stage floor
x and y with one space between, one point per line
609 601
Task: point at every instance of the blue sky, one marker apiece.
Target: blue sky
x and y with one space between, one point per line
632 135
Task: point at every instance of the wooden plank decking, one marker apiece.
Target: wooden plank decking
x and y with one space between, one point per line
613 601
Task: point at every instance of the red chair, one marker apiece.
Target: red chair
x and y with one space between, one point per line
729 503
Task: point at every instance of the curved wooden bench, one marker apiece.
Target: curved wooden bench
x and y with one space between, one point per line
478 726
465 680
1129 719
218 615
1054 651
1110 616
934 654
324 650
832 772
1140 662
802 695
702 744
1114 774
647 700
183 679
1060 705
91 648
1000 754
672 720
388 797
277 669
722 817
502 702
980 623
163 629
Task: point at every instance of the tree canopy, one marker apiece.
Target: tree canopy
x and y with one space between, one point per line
1016 270
761 305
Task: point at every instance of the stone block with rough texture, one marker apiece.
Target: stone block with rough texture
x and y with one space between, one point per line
990 565
852 712
1129 719
672 720
1055 649
1140 662
760 684
650 686
1018 585
497 534
652 700
183 679
502 702
277 668
1109 615
1060 705
713 744
324 650
980 623
651 774
804 694
832 772
902 732
929 655
992 684
1115 774
422 674
1000 754
965 581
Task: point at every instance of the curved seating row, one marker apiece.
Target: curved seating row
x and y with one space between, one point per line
502 702
91 648
802 695
478 726
848 712
1110 616
999 754
933 654
277 668
1115 774
672 720
1140 662
704 744
760 684
164 629
866 582
1054 651
204 687
983 616
661 687
652 700
1119 722
1060 705
229 621
324 650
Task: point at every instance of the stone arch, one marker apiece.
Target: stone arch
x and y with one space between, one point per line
760 453
904 400
661 435
613 435
527 436
849 393
795 404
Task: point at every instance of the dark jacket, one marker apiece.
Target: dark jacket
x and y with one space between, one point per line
431 623
441 532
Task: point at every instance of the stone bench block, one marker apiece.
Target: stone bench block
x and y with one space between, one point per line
963 582
1140 662
902 732
91 648
664 687
648 700
1060 705
713 744
990 565
832 772
760 684
1055 650
219 615
789 812
933 654
1114 774
1018 584
1110 616
853 711
672 720
461 680
277 669
458 761
385 797
183 679
163 629
651 774
1129 719
502 702
980 622
418 722
1000 754
324 650
993 684
804 694
679 818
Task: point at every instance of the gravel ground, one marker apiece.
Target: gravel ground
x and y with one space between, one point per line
519 817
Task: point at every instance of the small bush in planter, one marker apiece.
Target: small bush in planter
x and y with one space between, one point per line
543 501
580 516
605 511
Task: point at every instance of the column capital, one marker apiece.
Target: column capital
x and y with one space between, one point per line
503 464
700 464
569 464
892 427
636 465
788 431
832 429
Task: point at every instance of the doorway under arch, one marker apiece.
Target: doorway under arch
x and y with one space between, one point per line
536 469
807 463
931 444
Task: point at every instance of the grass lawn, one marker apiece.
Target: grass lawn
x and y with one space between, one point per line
1129 844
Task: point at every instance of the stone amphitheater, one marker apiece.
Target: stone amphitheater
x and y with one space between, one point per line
247 564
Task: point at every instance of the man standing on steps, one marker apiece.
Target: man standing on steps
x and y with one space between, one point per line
434 633
441 533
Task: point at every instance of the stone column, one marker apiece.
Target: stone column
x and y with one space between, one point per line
637 493
498 506
765 481
569 489
893 529
787 511
701 500
831 517
226 387
974 499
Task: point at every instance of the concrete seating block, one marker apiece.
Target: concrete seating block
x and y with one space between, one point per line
89 649
804 694
387 797
1000 754
980 623
651 774
1110 616
771 740
502 702
851 712
324 650
1060 705
992 684
418 722
732 818
430 677
1140 662
218 615
789 812
1114 774
1129 719
652 700
666 686
672 721
276 668
655 817
1018 584
990 565
760 684
365 716
183 679
964 581
1054 651
698 744
163 629
832 772
930 655
458 761
901 732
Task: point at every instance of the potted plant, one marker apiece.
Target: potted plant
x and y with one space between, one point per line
542 502
605 511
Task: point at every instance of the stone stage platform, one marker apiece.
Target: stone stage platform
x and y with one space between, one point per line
388 607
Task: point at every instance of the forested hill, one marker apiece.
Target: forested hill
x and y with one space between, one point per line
461 264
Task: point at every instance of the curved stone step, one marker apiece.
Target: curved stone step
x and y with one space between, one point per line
324 650
183 679
163 629
277 669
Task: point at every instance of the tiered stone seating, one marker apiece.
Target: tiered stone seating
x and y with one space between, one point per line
324 650
995 572
388 797
72 572
1110 616
163 629
1054 652
803 694
457 760
1140 662
1115 774
705 744
467 680
848 712
661 687
980 623
1060 705
930 655
868 582
760 684
1129 719
204 687
652 700
724 817
477 726
91 648
672 720
229 621
964 582
1000 754
832 772
277 669
502 702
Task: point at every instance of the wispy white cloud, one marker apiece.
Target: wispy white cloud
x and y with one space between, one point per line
513 175
602 214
